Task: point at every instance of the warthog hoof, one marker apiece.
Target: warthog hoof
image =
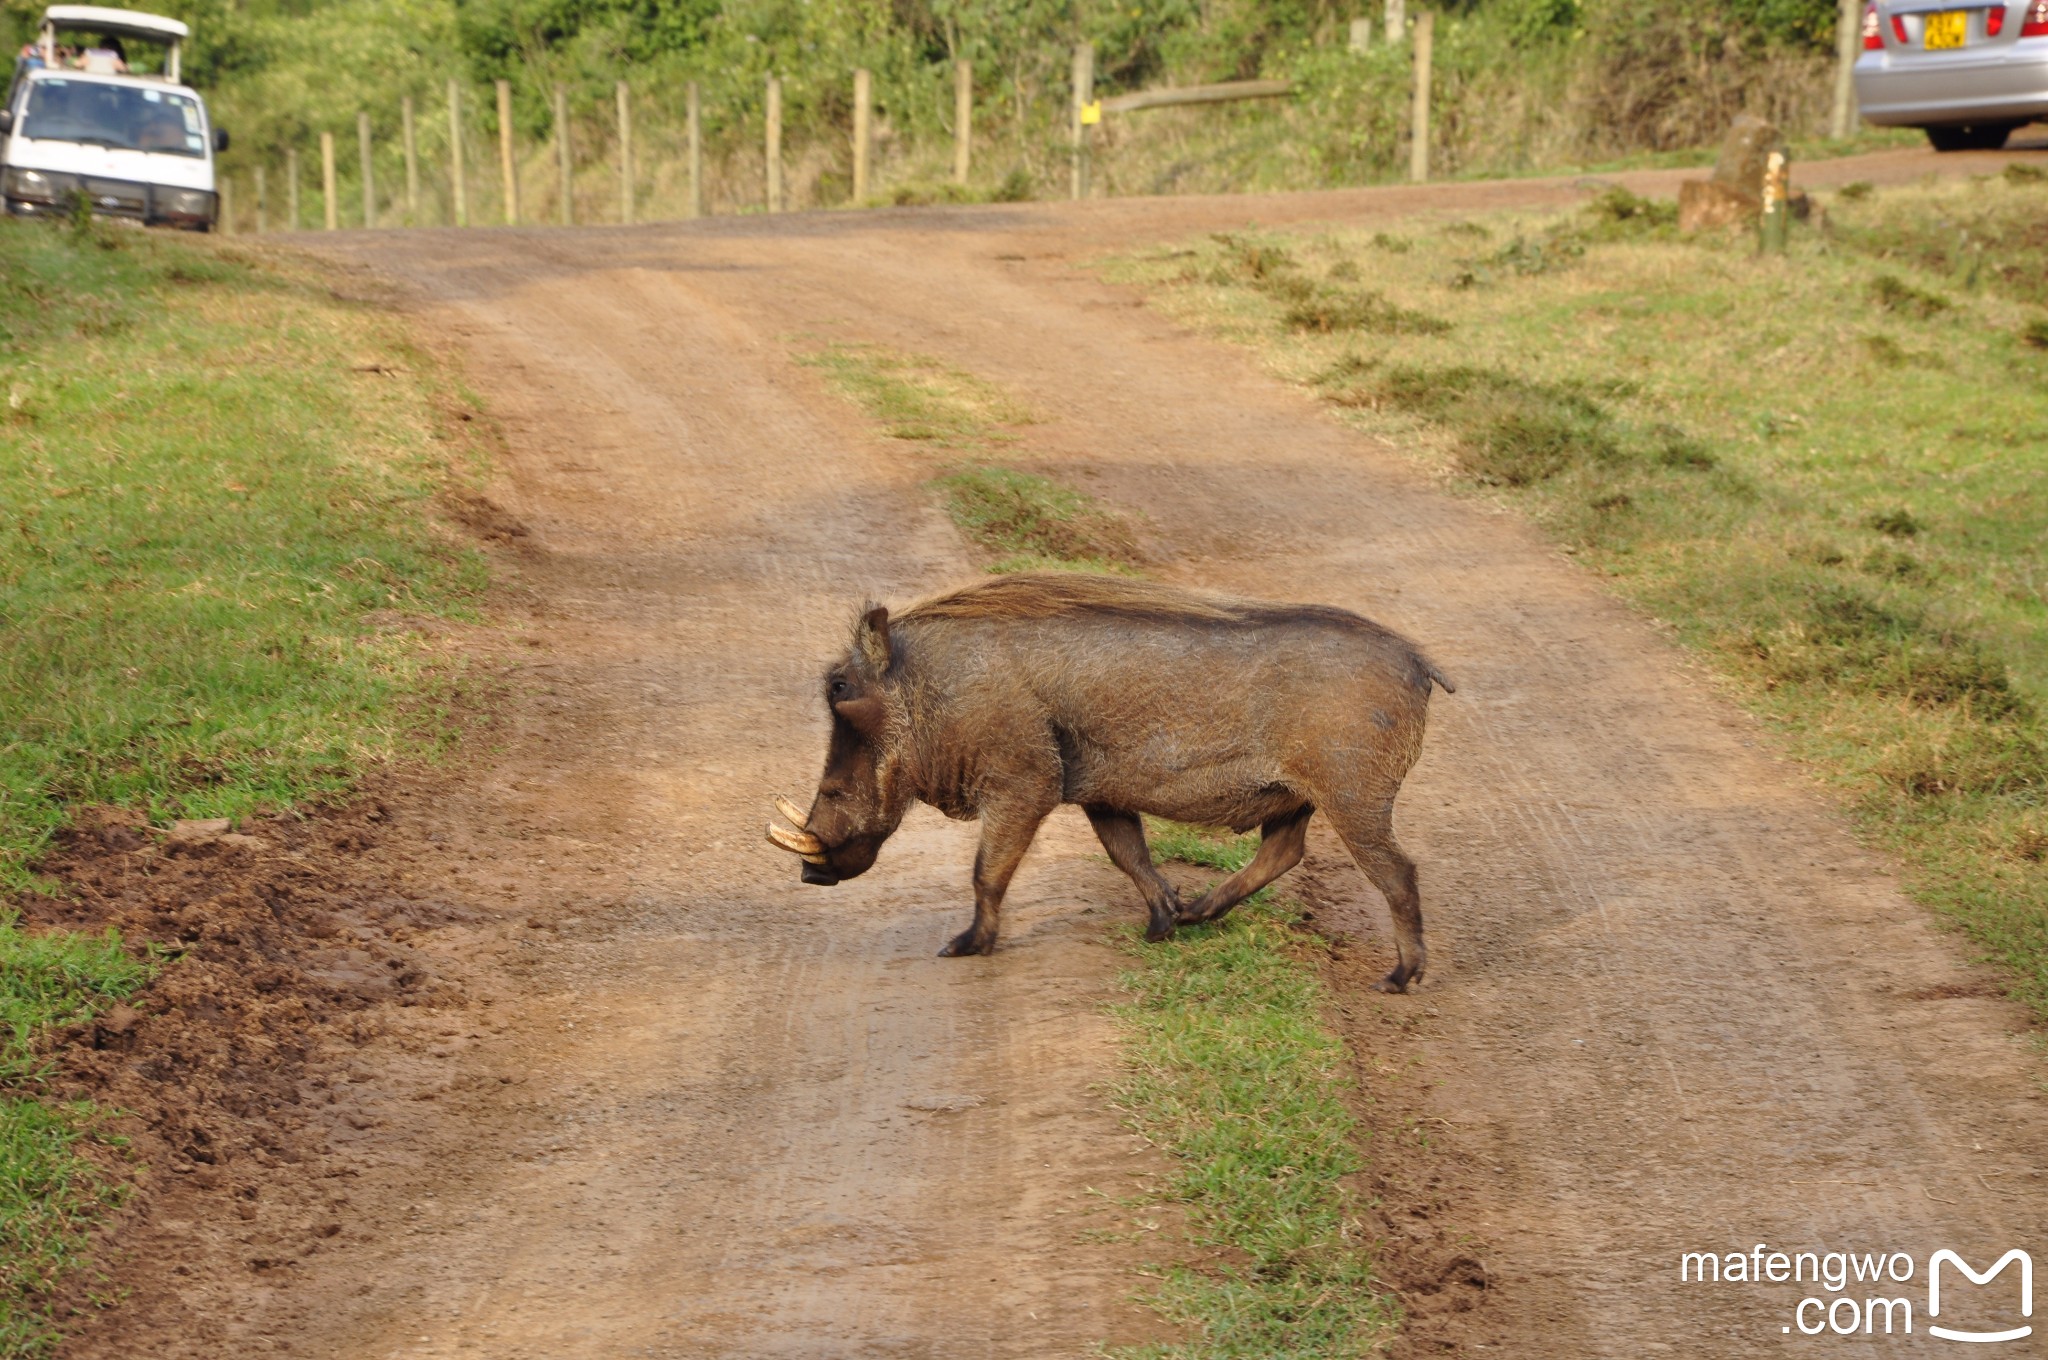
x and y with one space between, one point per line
966 943
1398 980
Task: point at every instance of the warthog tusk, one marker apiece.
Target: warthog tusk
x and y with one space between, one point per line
793 812
798 842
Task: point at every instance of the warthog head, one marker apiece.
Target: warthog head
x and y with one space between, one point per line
861 796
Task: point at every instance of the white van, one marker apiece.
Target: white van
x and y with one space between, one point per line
85 113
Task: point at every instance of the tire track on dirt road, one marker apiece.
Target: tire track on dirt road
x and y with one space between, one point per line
1673 1007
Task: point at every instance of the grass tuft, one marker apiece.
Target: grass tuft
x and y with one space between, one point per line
1895 295
918 398
1023 520
1029 522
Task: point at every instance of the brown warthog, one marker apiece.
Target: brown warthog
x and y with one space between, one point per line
1008 698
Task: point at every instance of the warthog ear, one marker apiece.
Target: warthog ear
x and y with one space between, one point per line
871 640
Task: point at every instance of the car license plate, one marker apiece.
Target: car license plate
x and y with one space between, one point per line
1948 28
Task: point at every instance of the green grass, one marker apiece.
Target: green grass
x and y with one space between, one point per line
1022 521
216 476
50 1197
1826 471
1231 1073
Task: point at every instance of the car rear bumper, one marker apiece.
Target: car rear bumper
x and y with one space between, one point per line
2003 84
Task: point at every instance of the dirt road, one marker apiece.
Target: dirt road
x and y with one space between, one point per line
689 1108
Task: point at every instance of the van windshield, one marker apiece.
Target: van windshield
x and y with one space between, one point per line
124 116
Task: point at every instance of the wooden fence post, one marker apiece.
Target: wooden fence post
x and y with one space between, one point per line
507 168
1777 214
863 115
1418 122
566 212
412 163
291 188
369 171
693 117
625 94
457 181
262 203
963 119
1397 21
774 144
224 220
1361 34
331 207
1085 113
1848 46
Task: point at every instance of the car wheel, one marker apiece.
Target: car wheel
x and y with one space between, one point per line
1976 137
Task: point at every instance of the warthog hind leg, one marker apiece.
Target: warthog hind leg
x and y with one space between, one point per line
1123 835
1369 836
1280 847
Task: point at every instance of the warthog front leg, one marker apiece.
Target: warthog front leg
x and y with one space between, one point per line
1005 836
1123 835
1280 846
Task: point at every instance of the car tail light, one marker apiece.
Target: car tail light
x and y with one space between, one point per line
1899 30
2036 23
1994 21
1873 38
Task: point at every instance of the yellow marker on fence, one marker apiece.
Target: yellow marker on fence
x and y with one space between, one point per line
1091 113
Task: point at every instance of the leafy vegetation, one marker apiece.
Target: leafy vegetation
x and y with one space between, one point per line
1521 85
1797 463
215 524
1233 1075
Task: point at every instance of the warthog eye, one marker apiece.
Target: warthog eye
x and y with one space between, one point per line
839 690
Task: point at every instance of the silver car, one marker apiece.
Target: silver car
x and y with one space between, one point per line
1966 71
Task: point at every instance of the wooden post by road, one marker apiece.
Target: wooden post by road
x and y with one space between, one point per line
774 146
458 184
1086 114
1397 21
1848 45
963 119
369 172
262 203
863 133
224 219
507 168
1418 121
327 186
625 94
412 163
1361 34
693 117
1777 214
291 188
566 211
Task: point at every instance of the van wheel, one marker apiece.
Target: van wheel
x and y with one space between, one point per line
1976 137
